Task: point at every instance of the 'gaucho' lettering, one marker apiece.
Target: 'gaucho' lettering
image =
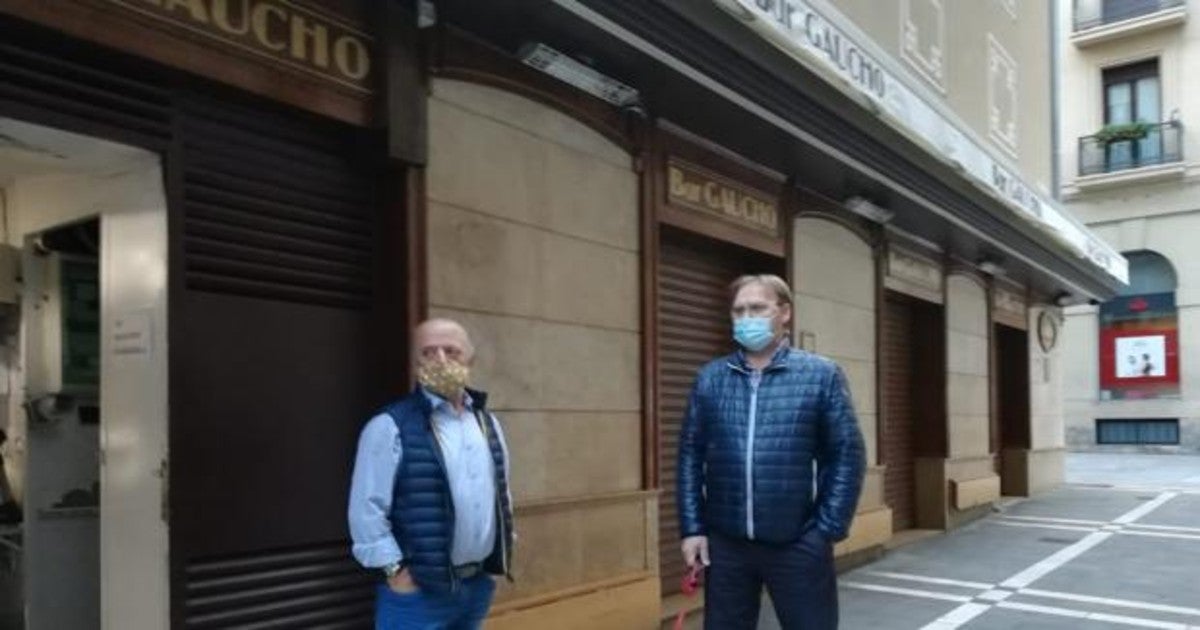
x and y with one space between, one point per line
273 26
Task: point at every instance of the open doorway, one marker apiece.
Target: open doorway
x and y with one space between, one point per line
83 381
1011 421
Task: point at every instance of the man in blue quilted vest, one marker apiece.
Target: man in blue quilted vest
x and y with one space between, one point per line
771 462
430 508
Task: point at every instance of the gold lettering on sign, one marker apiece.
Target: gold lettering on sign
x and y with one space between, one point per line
220 17
697 189
262 29
282 31
915 270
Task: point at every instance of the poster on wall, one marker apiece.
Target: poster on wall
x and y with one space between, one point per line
1139 348
1140 357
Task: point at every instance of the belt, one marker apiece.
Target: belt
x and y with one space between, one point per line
469 570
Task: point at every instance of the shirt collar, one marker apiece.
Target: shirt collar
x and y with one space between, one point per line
437 402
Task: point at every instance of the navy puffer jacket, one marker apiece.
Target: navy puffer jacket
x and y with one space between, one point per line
749 442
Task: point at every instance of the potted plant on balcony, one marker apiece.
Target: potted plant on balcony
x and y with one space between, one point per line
1119 132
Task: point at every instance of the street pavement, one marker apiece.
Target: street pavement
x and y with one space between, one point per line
1117 547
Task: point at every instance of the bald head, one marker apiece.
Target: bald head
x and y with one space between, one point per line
442 339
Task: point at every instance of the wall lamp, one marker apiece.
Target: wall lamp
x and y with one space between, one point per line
562 67
868 210
990 267
1063 299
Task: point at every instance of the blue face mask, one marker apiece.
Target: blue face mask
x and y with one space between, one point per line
753 333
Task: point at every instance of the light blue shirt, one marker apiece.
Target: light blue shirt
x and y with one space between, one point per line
469 472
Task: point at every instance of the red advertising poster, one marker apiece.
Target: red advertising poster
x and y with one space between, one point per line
1139 348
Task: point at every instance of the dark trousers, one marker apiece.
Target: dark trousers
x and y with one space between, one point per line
799 577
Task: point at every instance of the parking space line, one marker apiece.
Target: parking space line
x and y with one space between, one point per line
983 586
1048 519
992 596
1145 508
1070 528
912 592
1161 535
957 617
1055 560
1080 614
1109 601
1167 528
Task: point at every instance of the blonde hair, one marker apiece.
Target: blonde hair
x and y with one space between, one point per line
777 285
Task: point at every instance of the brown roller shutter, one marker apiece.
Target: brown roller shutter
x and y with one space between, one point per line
693 328
898 451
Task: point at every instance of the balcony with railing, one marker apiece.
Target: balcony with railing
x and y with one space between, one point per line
1123 149
1101 20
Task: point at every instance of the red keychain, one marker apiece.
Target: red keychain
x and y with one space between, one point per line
689 586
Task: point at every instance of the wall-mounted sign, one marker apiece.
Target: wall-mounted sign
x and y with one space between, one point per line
283 32
1139 347
1008 308
699 189
913 275
855 65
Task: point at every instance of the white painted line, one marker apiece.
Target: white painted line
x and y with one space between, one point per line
912 592
1045 610
995 596
1070 528
1138 621
983 586
1161 535
1166 528
1047 519
1056 560
957 617
1108 601
1145 508
1079 614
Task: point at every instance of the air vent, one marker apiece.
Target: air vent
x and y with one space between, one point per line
313 587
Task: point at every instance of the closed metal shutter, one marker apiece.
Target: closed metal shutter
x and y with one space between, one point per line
278 233
693 329
898 447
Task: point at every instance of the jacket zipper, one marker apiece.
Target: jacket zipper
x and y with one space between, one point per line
755 380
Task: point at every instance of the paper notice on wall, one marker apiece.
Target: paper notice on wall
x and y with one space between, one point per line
132 335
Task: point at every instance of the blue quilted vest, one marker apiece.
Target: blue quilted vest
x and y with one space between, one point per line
422 514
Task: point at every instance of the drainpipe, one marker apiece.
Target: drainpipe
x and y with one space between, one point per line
1055 64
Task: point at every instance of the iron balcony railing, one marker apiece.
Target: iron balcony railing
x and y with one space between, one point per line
1102 153
1092 13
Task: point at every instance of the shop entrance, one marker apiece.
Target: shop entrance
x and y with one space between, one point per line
1011 422
83 309
694 274
913 399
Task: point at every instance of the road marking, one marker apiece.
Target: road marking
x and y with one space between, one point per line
1109 601
1037 571
912 592
1069 528
1080 614
1055 560
1047 519
983 586
1167 528
1145 508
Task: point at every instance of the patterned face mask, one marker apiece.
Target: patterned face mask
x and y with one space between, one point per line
444 378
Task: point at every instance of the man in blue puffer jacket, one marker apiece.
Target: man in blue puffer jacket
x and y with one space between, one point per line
758 423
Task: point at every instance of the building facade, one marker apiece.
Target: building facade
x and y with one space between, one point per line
276 190
1128 171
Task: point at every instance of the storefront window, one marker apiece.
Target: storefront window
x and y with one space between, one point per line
1139 333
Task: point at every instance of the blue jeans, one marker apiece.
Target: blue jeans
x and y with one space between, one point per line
463 610
800 578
